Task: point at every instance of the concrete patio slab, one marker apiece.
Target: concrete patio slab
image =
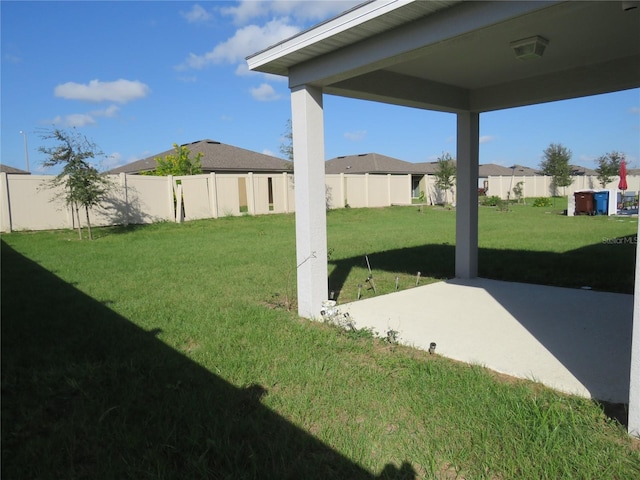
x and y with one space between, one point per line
573 340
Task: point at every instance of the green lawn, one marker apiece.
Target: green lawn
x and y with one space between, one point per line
168 351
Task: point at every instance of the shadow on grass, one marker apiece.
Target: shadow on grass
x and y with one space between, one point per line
87 394
608 266
576 326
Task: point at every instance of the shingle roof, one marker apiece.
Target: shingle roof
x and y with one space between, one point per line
216 157
484 170
8 169
494 170
578 170
521 170
370 163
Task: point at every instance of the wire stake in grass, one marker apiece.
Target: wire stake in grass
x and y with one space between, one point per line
397 280
372 283
418 279
359 290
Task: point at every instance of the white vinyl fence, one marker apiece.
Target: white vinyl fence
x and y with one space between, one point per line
540 186
27 202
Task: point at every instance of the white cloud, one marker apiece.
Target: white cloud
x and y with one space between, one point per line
112 161
301 10
264 93
74 120
121 91
266 151
84 119
109 112
197 14
486 139
634 110
246 10
246 41
356 136
12 58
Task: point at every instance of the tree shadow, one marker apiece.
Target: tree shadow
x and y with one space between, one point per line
88 394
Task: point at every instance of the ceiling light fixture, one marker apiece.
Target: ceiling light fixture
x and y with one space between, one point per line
529 48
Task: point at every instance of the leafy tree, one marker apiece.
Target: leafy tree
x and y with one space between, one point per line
608 167
556 165
445 173
286 147
178 164
83 185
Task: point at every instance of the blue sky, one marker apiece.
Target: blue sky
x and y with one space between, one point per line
136 77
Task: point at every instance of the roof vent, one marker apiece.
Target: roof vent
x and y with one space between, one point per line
213 142
363 154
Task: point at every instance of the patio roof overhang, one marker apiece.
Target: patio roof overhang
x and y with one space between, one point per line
457 56
451 56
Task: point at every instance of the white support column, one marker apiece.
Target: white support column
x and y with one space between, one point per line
467 194
634 380
311 221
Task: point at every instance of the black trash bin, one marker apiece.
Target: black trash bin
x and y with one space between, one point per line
601 200
584 203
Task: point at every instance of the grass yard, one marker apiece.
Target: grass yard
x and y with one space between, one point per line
168 352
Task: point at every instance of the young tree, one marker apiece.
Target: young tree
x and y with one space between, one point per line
179 163
556 165
83 185
286 147
445 173
608 167
518 190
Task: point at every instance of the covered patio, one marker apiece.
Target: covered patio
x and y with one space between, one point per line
575 341
453 56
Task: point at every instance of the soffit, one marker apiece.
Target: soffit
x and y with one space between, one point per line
455 56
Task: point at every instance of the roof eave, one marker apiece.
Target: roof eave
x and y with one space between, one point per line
308 44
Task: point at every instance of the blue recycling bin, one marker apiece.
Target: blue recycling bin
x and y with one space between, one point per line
601 201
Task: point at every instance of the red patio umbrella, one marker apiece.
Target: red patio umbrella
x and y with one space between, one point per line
622 184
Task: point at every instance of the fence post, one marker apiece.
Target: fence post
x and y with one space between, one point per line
125 193
285 191
366 190
5 212
179 212
213 194
251 195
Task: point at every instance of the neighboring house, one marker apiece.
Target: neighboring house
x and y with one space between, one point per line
376 164
13 170
370 163
216 157
577 170
521 171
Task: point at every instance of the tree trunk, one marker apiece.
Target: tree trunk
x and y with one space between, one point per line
86 209
75 205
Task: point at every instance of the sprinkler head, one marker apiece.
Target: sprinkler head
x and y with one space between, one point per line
432 348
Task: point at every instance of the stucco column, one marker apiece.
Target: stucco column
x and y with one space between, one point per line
309 178
634 381
467 195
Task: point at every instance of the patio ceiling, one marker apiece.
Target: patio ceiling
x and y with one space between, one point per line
457 56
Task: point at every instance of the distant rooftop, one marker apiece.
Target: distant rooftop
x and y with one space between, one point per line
216 157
